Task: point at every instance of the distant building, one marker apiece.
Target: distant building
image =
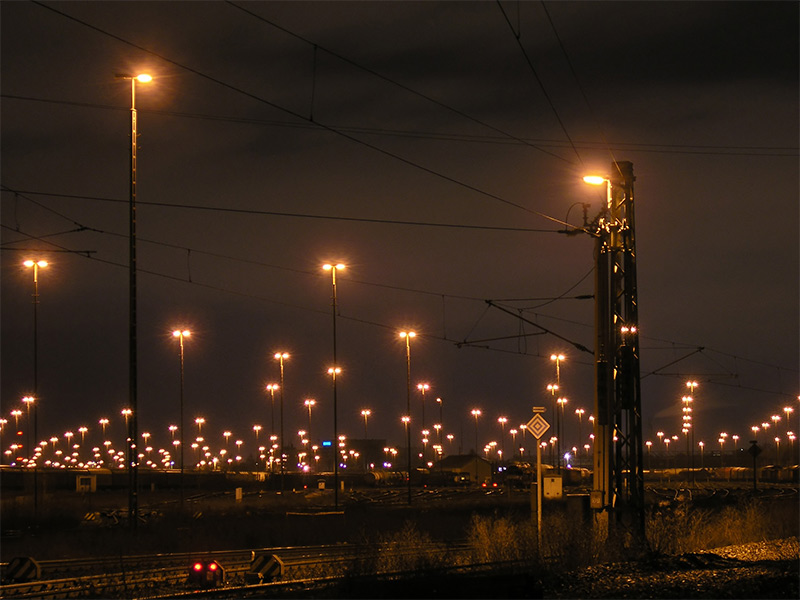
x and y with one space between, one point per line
474 467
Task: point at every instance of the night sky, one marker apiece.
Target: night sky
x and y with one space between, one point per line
435 148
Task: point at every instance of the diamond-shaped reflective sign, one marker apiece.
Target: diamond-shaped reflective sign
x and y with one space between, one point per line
537 426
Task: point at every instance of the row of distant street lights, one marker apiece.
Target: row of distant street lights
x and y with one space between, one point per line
688 425
167 460
305 435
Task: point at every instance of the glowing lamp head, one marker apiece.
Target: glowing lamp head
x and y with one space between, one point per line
38 263
594 180
144 78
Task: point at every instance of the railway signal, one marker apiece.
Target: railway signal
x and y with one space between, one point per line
206 574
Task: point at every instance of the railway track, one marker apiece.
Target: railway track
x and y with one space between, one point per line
166 575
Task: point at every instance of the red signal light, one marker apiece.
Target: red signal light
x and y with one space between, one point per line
212 567
197 566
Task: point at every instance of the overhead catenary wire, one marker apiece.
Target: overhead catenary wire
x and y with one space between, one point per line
301 117
542 87
395 82
649 147
248 211
462 343
578 81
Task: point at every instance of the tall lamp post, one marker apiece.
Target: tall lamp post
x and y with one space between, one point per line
423 387
280 357
691 385
502 421
133 462
180 335
365 413
557 358
579 412
309 404
333 372
35 265
476 413
28 400
271 387
407 335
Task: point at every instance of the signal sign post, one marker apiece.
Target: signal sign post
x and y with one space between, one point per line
538 426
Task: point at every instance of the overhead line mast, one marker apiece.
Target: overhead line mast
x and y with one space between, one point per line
618 487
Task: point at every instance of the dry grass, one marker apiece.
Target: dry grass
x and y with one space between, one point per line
568 543
684 528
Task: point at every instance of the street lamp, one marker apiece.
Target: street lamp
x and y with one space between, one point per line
579 412
103 422
553 388
309 404
702 446
423 387
475 412
333 269
562 402
691 385
280 357
788 410
557 358
199 421
35 265
365 413
333 372
406 421
513 433
502 421
132 348
180 335
28 400
271 387
407 335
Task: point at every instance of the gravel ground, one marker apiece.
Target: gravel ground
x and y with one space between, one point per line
756 570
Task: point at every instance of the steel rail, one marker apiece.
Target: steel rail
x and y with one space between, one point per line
165 573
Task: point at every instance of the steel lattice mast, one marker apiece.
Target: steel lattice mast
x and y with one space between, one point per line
618 487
